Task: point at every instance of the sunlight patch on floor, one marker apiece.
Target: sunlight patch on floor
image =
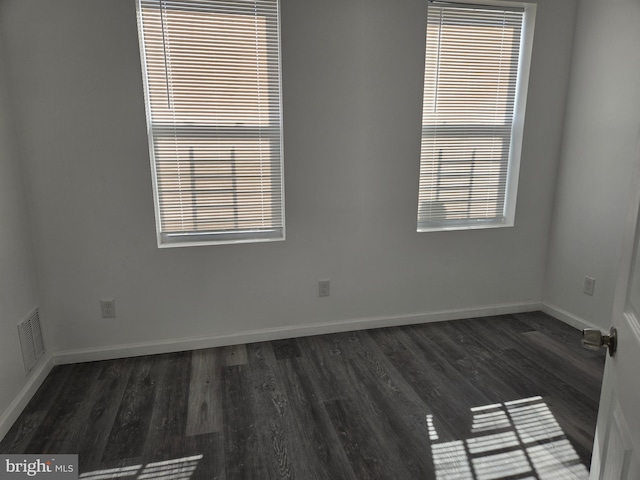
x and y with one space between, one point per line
176 469
520 437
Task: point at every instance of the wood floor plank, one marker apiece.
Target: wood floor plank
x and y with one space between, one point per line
316 451
392 414
510 323
561 332
552 328
448 393
64 425
400 414
425 340
471 360
394 411
369 455
286 348
112 383
576 413
72 438
559 349
489 356
242 456
326 357
270 407
22 432
169 417
204 414
234 355
553 362
129 432
426 378
577 417
554 383
526 364
212 464
285 444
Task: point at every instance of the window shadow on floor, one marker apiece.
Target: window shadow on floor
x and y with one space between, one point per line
519 439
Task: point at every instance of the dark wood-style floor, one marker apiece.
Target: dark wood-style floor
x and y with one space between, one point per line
508 397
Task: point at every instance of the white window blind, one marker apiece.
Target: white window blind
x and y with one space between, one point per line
470 86
212 86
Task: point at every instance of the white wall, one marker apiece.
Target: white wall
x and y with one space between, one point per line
18 283
352 73
599 153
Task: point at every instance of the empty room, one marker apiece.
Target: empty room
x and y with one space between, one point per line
319 239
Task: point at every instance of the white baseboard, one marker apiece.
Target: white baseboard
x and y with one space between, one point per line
566 317
277 333
11 414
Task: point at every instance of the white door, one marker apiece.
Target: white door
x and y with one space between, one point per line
616 450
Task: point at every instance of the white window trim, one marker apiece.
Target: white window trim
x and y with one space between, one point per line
517 127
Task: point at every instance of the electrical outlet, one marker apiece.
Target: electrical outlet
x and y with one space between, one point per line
108 308
589 285
324 288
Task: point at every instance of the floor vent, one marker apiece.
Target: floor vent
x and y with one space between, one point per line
31 341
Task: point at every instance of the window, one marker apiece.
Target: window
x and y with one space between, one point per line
212 89
475 84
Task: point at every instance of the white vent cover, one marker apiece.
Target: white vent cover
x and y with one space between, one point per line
31 340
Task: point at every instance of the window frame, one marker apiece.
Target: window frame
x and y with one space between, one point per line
191 238
517 125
